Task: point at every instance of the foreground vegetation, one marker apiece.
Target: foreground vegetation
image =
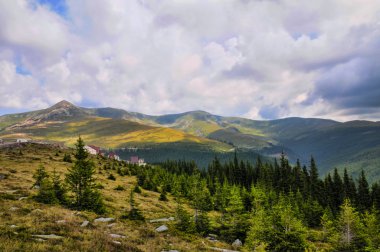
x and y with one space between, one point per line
267 206
22 213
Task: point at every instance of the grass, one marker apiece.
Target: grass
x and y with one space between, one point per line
30 217
109 133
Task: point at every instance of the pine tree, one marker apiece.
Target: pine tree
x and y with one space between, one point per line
349 187
372 230
315 186
80 180
349 226
39 176
59 189
338 191
375 196
184 222
363 198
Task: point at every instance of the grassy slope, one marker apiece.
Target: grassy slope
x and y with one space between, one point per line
31 217
111 133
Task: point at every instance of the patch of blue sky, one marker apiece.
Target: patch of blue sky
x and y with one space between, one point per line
20 69
58 6
311 35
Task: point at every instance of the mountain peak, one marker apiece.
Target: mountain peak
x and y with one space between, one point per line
64 104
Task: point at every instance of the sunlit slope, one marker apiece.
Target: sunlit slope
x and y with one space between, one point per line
112 133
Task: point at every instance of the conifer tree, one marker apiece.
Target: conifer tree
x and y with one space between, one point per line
80 180
349 187
315 187
338 191
349 227
363 198
39 176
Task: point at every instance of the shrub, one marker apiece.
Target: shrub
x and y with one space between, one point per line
119 188
111 177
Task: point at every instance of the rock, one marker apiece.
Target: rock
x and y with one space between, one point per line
212 237
49 237
162 228
2 176
40 240
162 220
13 226
111 225
170 250
60 221
116 242
13 209
237 243
104 219
117 236
22 198
85 223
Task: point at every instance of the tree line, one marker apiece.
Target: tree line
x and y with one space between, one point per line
272 205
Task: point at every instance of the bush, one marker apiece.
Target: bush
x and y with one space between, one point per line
163 196
111 177
119 188
67 158
137 189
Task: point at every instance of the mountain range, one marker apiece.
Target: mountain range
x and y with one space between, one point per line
199 135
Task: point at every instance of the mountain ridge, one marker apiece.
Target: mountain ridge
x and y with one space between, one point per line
332 143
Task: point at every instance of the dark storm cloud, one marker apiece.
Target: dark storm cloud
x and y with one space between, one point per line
355 84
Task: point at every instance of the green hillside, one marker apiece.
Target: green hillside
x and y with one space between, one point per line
333 144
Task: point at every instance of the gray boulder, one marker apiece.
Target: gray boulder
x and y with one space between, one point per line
162 228
237 243
104 219
85 223
49 237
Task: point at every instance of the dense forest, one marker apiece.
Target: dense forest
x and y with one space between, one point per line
273 206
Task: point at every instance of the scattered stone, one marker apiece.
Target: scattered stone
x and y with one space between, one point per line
111 225
221 250
116 242
117 236
104 219
237 243
13 226
212 237
162 220
22 198
50 236
11 191
162 228
13 208
40 240
85 223
60 221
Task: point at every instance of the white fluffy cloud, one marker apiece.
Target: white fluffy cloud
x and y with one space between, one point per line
260 59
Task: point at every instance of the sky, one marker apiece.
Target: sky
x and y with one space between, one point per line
259 59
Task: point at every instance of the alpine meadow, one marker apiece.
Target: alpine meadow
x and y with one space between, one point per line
170 126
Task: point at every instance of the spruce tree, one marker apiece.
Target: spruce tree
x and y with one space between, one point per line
39 176
80 180
349 191
364 198
338 191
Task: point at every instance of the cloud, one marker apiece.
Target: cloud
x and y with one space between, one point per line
261 59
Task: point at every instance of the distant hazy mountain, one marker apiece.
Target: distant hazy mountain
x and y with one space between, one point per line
354 144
